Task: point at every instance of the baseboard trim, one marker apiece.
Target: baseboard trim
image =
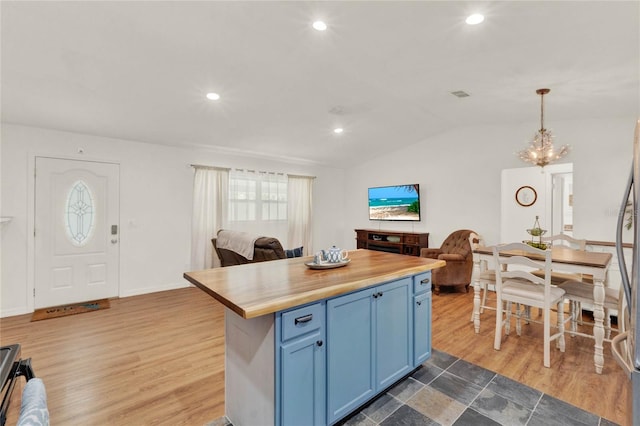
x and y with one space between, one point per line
155 289
15 311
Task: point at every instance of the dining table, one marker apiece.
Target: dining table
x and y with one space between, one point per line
566 260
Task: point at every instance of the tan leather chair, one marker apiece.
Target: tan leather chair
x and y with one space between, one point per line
266 248
456 251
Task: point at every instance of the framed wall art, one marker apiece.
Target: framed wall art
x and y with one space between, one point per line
526 196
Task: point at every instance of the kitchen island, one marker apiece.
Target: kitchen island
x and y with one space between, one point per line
307 346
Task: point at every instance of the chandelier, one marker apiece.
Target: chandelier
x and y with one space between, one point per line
541 151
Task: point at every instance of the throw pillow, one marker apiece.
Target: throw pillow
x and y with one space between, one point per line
296 252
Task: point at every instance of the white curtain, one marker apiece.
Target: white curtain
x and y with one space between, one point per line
299 212
210 210
258 203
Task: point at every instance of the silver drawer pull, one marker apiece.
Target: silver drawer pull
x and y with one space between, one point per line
302 320
425 281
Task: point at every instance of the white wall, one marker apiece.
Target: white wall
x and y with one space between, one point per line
516 219
458 172
459 176
155 206
600 173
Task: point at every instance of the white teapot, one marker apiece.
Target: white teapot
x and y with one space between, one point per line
336 255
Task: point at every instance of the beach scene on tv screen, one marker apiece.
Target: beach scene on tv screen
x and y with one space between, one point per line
399 202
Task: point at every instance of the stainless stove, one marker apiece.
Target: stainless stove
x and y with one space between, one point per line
11 368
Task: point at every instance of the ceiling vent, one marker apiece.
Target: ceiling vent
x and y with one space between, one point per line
460 94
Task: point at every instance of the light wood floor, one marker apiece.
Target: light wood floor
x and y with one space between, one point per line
158 359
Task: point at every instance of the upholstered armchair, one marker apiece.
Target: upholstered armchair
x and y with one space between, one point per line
266 248
456 251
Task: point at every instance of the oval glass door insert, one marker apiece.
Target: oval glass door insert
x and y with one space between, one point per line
80 214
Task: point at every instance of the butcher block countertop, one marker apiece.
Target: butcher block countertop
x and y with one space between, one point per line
257 289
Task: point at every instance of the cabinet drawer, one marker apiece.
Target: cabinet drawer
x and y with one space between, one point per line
422 283
411 239
301 321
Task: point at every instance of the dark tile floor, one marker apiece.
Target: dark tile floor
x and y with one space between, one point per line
450 391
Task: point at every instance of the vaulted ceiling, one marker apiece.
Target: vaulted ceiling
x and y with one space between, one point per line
383 71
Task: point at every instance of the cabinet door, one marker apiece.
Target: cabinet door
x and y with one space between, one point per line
303 366
394 331
422 328
350 378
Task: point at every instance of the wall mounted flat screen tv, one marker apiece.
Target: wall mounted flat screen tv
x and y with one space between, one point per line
399 202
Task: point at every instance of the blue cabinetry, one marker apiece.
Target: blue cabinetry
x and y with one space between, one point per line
370 344
421 318
335 355
422 328
350 362
394 332
301 358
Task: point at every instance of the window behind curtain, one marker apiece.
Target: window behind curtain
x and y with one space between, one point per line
258 203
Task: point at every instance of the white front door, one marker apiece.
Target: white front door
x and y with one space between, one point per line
76 231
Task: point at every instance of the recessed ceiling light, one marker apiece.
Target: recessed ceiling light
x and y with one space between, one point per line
338 130
213 96
474 19
320 26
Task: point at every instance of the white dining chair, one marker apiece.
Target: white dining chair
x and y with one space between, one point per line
486 278
566 240
579 292
558 277
518 285
579 287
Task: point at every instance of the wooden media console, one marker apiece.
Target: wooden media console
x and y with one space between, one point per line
408 243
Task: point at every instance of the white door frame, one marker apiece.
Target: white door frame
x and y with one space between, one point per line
513 216
31 213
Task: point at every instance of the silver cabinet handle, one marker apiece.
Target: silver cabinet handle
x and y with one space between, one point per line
302 320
